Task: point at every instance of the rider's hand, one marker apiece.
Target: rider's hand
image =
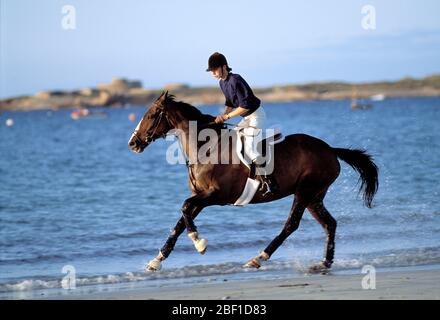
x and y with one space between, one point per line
221 118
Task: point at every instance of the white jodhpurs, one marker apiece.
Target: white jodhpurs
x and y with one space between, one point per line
252 126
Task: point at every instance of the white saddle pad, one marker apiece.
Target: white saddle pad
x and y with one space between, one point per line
249 191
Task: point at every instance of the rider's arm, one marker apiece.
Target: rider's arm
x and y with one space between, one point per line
236 112
228 109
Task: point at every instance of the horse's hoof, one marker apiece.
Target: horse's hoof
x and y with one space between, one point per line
253 263
321 268
201 245
154 265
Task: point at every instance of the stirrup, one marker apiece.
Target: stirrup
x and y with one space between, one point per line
268 189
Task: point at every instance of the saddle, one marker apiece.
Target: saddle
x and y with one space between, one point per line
272 137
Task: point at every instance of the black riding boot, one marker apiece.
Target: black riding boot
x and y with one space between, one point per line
269 185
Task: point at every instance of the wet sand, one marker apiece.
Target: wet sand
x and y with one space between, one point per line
389 285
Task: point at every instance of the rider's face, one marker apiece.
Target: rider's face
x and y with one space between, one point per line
220 73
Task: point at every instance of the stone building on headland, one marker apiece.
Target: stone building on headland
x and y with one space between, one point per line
119 86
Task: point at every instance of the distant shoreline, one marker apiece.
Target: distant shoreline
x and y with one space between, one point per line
121 92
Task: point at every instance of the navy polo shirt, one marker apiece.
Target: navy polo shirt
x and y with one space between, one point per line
238 94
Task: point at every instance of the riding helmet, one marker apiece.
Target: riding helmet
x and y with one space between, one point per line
217 60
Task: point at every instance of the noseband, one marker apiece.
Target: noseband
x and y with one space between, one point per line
150 137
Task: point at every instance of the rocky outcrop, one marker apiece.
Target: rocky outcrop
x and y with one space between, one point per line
121 92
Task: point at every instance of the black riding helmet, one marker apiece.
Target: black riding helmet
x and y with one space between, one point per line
217 60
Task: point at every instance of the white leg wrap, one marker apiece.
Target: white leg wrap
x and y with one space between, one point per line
156 263
256 262
263 256
200 244
253 263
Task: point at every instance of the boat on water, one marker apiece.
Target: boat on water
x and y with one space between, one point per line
86 113
356 105
378 97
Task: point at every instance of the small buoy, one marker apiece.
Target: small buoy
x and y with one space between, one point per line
74 115
9 122
132 116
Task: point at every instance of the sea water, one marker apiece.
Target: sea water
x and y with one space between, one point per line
74 198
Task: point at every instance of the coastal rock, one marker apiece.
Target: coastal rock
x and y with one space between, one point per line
120 92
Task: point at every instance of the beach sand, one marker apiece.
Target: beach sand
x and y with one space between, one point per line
423 284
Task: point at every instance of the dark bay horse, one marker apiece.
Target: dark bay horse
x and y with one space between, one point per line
304 166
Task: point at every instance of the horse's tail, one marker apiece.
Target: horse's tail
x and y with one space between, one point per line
363 163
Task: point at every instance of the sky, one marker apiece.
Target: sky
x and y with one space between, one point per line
161 42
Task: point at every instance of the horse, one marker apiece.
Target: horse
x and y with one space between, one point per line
304 166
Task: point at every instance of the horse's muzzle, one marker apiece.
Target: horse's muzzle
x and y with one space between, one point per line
136 145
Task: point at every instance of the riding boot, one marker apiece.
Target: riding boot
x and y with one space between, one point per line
269 185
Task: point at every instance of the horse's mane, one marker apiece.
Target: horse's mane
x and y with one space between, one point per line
192 113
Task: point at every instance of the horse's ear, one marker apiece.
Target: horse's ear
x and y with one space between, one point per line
165 97
161 96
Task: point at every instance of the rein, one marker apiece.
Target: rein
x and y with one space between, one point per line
150 137
228 124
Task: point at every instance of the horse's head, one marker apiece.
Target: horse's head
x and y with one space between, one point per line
153 125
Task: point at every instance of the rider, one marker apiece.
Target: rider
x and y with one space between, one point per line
239 96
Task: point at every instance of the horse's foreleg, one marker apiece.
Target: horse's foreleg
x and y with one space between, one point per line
200 200
190 209
320 213
199 243
156 263
290 226
175 233
186 210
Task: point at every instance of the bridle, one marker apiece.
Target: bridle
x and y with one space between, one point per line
150 137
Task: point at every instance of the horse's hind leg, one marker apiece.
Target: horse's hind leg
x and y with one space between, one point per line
290 226
320 213
155 264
